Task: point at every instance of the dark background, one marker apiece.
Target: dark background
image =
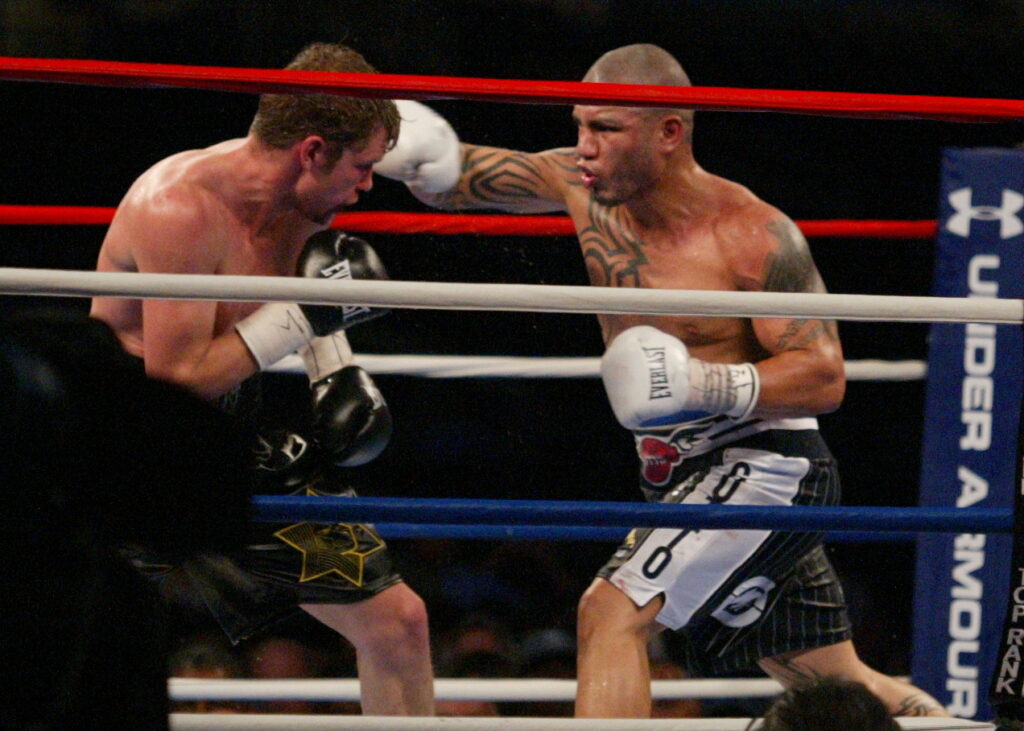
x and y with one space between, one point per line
551 439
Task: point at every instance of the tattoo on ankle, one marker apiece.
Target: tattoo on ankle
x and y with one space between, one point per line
791 672
918 704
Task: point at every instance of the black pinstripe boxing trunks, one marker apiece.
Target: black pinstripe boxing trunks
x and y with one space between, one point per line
736 596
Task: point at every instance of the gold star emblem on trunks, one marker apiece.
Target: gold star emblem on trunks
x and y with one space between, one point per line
341 548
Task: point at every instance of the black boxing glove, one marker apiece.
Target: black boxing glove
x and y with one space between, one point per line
279 328
287 464
335 255
283 461
351 420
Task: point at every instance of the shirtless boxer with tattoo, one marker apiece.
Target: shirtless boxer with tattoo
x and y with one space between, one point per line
261 205
722 409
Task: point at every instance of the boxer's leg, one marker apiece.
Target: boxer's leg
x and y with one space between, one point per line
391 637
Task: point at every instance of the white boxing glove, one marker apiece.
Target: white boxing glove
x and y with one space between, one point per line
652 381
427 156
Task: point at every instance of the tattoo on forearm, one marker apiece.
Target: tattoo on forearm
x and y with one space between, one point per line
612 255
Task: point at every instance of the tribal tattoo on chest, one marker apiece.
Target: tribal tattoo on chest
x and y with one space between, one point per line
612 255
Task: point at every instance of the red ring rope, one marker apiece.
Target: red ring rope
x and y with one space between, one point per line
465 223
839 104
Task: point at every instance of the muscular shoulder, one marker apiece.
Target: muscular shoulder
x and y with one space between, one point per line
560 168
169 223
769 252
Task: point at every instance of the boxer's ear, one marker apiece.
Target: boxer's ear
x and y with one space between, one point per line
671 131
313 152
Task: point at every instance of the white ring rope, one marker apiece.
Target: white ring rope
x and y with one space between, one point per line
886 370
499 366
455 689
510 297
230 722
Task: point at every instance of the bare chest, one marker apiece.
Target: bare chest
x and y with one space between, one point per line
252 257
615 256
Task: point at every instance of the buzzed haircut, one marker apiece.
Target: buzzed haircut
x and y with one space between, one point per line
641 63
284 119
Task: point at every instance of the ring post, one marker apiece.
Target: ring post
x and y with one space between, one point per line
1006 692
972 405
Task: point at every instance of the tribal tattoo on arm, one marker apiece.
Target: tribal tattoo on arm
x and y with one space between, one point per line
507 180
790 268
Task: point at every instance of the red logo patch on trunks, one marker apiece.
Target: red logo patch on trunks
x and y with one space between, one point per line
658 459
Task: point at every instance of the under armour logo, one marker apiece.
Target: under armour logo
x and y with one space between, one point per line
1010 224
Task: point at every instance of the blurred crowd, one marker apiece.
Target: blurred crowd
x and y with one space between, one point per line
498 610
480 646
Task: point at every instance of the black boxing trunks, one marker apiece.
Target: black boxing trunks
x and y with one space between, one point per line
302 563
736 597
282 567
244 401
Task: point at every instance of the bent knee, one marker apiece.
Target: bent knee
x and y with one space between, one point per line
404 609
400 618
605 608
591 604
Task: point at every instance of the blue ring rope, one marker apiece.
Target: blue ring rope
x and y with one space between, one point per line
396 531
459 511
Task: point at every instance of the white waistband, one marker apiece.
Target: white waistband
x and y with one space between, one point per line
693 438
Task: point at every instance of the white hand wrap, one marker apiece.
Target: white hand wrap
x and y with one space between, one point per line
325 356
274 331
427 156
651 380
